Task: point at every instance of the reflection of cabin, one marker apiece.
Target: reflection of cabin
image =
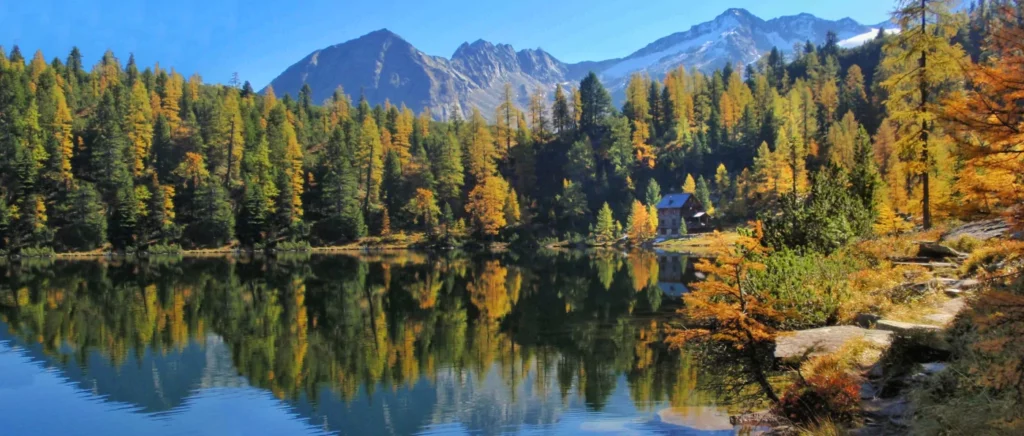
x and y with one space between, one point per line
671 272
675 207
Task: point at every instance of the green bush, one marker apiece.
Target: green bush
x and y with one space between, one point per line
289 246
809 288
826 220
163 249
966 244
36 252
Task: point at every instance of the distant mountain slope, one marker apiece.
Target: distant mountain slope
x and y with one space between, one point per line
383 66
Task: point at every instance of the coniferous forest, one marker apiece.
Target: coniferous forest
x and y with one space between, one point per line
825 145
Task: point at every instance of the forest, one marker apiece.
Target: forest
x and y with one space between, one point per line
824 145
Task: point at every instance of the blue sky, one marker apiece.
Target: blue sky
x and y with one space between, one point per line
260 38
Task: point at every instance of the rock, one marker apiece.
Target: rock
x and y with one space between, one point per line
953 292
904 327
941 318
981 230
866 320
934 250
825 340
868 391
966 284
932 368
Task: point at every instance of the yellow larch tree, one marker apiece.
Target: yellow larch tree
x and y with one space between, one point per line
486 205
139 127
689 186
921 65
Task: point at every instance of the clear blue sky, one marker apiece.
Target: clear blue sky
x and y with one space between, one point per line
260 38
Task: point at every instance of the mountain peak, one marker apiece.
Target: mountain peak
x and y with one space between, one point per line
390 68
735 12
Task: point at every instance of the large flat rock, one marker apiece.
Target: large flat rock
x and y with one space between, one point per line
825 340
904 327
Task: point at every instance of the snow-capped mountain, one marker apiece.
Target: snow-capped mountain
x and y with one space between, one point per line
383 66
734 37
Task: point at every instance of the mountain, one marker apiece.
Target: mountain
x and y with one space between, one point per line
383 66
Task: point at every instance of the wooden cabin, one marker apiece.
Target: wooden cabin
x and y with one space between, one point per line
673 208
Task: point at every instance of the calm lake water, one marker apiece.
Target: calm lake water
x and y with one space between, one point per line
386 344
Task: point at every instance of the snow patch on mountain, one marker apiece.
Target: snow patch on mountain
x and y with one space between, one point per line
863 38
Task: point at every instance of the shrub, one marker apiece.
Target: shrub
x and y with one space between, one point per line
290 246
990 257
827 219
809 288
36 252
966 244
163 249
828 396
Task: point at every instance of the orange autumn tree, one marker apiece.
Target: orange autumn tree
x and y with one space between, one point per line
724 309
989 122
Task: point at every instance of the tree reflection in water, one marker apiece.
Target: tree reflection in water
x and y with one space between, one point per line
564 327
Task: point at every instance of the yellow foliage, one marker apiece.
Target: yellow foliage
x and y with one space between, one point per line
486 205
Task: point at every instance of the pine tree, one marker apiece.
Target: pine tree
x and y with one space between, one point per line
213 223
259 193
703 193
86 227
447 164
572 203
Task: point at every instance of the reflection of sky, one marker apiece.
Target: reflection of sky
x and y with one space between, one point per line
40 397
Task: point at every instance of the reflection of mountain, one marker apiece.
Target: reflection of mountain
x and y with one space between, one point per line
154 382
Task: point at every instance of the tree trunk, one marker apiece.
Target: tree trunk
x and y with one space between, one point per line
925 179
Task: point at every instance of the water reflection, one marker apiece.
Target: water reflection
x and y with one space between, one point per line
390 344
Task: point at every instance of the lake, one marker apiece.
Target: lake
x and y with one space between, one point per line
402 343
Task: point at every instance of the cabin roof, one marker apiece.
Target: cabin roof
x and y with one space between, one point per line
673 201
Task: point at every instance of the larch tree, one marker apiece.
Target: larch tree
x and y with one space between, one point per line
689 186
988 120
369 160
507 119
726 309
486 206
561 114
423 207
604 229
139 128
480 153
921 64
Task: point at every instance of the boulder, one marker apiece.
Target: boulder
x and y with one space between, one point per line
934 250
866 320
825 340
900 327
981 230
